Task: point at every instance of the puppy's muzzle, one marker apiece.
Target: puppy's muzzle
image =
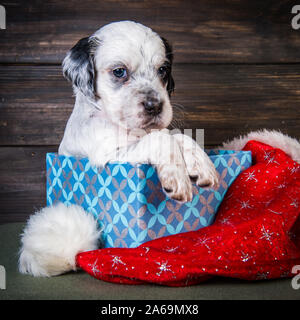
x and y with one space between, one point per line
153 106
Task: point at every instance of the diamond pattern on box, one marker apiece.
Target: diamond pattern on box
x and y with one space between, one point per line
128 201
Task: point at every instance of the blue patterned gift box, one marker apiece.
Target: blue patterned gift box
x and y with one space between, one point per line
128 201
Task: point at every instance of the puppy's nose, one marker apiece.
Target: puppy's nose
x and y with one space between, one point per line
152 106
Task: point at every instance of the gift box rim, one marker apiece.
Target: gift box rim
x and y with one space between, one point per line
139 164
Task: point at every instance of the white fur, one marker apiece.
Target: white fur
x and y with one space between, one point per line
274 138
52 238
198 164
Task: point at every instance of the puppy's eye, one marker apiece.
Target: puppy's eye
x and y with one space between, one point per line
120 72
162 71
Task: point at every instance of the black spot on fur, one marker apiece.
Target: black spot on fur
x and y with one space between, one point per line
170 56
78 66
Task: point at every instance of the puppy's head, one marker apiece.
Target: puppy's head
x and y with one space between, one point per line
126 68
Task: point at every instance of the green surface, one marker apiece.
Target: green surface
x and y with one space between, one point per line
82 286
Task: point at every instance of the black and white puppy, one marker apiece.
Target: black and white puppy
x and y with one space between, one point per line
122 80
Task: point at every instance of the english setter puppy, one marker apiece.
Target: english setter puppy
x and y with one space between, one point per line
122 80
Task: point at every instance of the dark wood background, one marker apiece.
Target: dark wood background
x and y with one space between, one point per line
237 68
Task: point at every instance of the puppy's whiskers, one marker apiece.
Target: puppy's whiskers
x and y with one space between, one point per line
178 116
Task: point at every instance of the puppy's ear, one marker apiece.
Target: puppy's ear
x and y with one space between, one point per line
169 55
78 65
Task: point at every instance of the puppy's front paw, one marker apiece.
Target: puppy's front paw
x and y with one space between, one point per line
199 166
175 182
202 171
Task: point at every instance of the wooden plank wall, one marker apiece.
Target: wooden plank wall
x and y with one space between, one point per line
237 68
